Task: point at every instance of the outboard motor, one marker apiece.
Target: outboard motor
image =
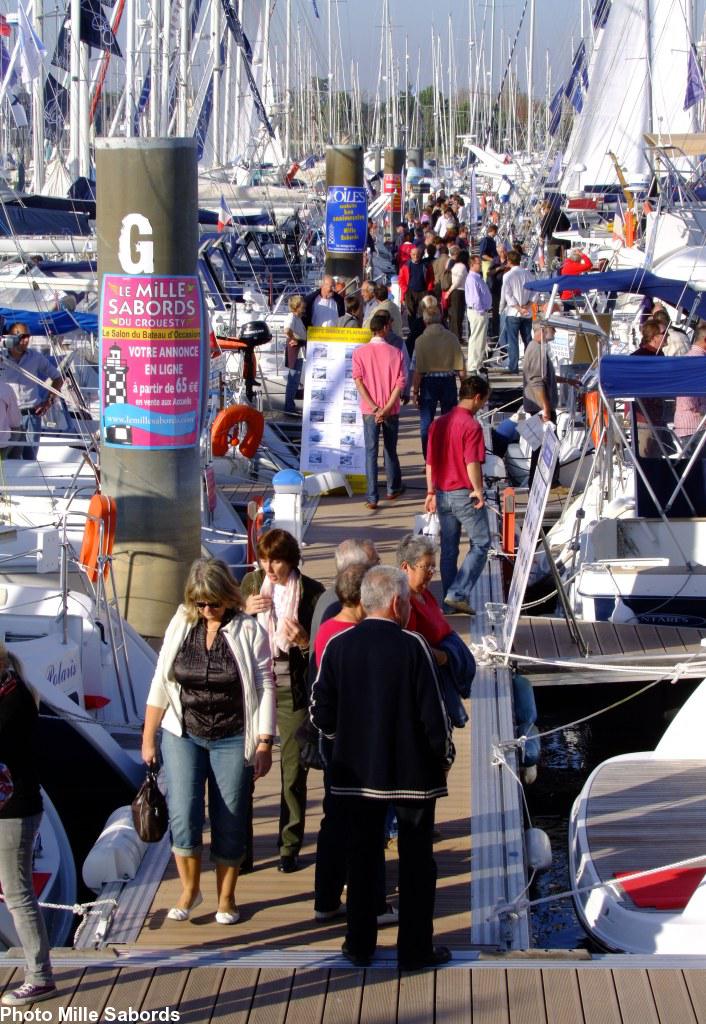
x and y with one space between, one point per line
252 334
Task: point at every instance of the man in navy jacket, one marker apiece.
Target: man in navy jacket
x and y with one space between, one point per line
377 699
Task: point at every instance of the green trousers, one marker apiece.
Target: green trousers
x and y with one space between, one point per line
292 811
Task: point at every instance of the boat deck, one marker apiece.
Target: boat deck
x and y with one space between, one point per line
649 650
644 814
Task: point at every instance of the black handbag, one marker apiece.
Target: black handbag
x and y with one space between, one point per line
149 809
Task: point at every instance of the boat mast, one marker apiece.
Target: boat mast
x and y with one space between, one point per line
130 104
74 72
287 85
530 79
329 78
38 111
164 77
154 69
237 141
216 134
492 67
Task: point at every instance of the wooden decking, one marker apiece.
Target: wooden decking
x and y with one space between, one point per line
486 993
644 814
653 650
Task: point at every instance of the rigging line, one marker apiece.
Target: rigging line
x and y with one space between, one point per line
611 883
674 678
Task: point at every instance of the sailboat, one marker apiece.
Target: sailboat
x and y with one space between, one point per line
645 812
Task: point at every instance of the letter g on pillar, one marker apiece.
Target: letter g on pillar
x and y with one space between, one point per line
135 248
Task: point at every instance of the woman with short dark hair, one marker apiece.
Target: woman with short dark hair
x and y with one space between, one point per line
283 599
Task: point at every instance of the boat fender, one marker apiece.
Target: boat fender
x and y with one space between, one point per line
224 431
538 849
116 854
525 706
533 747
98 535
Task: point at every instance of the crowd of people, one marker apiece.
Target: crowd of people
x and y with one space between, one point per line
364 679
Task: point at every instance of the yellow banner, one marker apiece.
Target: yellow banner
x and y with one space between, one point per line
347 335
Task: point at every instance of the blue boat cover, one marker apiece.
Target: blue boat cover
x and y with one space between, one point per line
652 376
636 281
60 322
20 220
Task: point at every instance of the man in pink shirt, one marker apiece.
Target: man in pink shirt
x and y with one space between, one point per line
378 372
455 456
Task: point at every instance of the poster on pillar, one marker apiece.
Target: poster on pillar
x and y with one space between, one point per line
346 219
150 361
392 186
332 423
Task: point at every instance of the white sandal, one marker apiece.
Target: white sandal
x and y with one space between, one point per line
228 916
184 913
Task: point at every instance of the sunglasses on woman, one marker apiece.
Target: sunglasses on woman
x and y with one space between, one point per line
208 604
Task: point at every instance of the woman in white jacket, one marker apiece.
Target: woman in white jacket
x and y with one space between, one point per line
213 695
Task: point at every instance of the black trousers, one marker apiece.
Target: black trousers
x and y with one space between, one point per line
365 826
331 860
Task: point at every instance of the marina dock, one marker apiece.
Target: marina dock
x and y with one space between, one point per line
639 652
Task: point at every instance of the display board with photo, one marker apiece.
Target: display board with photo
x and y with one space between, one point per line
332 428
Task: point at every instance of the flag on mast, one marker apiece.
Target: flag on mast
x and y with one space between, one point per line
695 87
32 51
225 217
5 29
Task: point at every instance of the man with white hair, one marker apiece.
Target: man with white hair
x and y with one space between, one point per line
377 700
348 552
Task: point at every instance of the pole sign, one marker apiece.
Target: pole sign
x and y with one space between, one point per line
536 504
392 186
346 219
150 361
332 423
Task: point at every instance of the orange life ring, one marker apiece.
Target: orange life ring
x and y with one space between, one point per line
224 430
591 405
98 535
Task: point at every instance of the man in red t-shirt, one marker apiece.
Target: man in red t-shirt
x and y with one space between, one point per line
455 456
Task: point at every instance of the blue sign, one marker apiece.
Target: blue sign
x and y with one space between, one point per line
346 219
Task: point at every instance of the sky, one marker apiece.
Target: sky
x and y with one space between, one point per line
557 32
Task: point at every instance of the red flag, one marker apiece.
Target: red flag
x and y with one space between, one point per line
5 29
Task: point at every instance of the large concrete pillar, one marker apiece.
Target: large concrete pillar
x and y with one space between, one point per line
153 367
346 211
393 185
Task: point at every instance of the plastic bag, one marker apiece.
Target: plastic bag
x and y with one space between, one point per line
149 809
6 785
427 524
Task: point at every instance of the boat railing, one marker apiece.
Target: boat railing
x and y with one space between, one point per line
103 593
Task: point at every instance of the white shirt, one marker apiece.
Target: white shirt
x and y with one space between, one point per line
513 294
10 416
324 313
293 323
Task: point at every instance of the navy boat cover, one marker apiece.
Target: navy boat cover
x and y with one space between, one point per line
652 376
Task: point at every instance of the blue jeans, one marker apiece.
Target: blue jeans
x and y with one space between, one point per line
514 327
293 377
455 510
32 425
371 432
433 391
189 763
17 837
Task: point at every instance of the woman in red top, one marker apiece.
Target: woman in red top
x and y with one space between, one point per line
416 556
348 593
576 262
